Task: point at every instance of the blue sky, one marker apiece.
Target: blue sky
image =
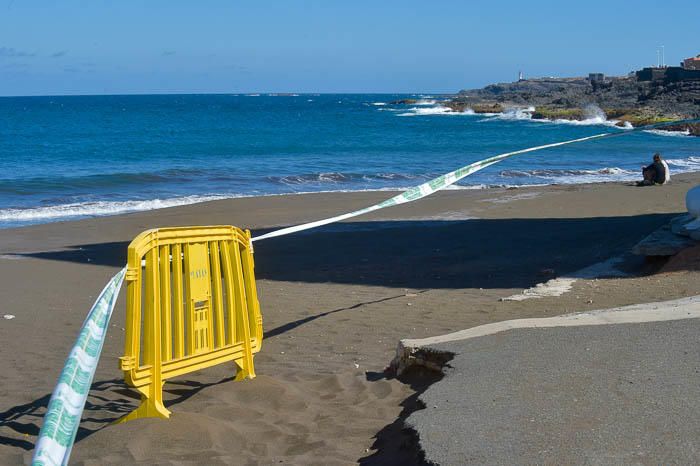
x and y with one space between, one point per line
153 46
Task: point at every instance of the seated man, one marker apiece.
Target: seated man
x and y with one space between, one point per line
655 174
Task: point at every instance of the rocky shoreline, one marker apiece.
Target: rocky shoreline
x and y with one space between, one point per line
626 100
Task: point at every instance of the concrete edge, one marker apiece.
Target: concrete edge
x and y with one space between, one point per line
417 352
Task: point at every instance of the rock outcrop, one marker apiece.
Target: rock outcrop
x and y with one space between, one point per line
625 99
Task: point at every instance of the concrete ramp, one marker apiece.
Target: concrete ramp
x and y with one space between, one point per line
619 386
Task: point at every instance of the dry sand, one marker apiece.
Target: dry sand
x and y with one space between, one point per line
335 302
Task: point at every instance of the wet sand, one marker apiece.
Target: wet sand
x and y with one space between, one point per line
335 301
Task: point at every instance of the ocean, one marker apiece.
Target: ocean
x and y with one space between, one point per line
64 158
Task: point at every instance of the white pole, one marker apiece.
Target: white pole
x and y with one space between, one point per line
663 56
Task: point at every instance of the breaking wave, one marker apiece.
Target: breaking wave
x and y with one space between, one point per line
435 110
340 178
515 114
571 176
95 209
664 132
691 164
593 116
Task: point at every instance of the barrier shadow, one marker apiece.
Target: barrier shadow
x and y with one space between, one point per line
476 253
297 323
479 253
108 401
111 254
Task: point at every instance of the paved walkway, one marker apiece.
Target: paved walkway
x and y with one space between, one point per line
572 393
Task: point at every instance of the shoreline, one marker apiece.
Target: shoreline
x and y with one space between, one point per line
335 301
207 198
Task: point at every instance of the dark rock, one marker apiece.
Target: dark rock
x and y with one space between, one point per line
404 102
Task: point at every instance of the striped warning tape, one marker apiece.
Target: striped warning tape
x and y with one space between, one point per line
68 399
443 181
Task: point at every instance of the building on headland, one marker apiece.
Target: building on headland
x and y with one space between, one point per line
688 71
652 74
596 77
692 63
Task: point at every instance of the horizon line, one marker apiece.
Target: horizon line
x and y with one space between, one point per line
244 94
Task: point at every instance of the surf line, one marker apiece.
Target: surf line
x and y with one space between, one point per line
443 181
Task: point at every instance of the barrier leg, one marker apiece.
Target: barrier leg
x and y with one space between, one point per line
151 406
246 368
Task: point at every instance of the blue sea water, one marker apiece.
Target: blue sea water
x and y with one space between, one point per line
63 158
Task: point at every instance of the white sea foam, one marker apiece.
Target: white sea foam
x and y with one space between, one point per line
593 116
600 175
574 176
96 209
663 132
425 102
691 164
435 110
379 104
514 114
594 121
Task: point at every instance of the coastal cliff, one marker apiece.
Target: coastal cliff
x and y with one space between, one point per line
627 100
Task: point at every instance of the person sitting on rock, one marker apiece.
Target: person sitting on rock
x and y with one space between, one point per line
655 174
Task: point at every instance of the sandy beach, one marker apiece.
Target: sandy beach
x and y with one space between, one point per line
335 301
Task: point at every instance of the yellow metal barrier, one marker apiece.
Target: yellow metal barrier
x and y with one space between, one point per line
193 305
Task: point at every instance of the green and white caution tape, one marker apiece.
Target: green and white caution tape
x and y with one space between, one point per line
443 181
68 399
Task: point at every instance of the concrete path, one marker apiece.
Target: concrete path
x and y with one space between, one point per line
610 387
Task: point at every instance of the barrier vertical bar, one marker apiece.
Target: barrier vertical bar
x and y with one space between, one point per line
152 336
251 291
210 318
189 306
218 306
243 327
132 346
230 294
166 330
177 310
